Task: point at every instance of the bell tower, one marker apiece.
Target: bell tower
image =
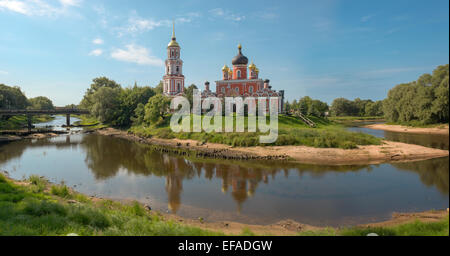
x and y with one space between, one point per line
173 78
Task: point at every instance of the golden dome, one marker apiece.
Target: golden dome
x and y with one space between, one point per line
252 66
173 42
225 68
256 70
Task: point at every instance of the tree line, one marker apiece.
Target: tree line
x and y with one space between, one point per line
12 97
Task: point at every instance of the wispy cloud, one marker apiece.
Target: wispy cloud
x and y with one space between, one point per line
3 72
136 54
367 18
136 24
96 52
225 14
97 41
38 7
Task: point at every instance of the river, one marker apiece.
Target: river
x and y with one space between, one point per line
216 190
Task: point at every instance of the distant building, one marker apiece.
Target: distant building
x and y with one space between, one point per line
173 79
242 80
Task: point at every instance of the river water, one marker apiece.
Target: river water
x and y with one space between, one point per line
216 190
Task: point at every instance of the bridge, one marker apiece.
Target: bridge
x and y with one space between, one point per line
56 111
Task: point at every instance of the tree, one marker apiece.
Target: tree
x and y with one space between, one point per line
41 102
374 108
106 104
155 109
159 89
189 92
129 99
12 97
343 107
99 82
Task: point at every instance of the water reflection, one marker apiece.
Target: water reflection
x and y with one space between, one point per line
259 191
428 140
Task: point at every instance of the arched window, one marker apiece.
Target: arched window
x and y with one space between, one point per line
223 89
178 69
236 89
238 73
250 89
178 86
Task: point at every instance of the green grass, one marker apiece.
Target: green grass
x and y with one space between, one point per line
292 131
89 121
24 211
354 118
20 122
415 228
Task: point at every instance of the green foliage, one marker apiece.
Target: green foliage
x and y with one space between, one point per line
129 99
60 190
416 228
155 109
41 102
292 131
159 89
424 101
11 97
308 106
189 92
106 104
24 212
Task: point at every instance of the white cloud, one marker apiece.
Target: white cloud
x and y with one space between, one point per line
96 52
137 24
2 72
70 2
37 7
219 12
97 41
136 54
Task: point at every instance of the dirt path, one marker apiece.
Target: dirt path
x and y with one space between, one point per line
387 152
443 130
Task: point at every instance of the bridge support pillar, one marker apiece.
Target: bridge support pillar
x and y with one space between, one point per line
68 120
30 125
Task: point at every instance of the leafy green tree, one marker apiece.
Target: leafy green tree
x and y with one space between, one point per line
343 107
155 109
106 104
374 108
129 99
41 102
159 89
99 82
189 92
12 97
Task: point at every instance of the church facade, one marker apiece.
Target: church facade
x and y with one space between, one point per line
241 80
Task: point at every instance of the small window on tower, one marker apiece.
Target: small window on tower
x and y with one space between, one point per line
238 73
223 89
178 86
236 89
178 69
250 89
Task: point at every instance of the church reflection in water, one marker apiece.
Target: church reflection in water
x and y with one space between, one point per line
106 156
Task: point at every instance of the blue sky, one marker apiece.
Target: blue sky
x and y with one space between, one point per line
325 49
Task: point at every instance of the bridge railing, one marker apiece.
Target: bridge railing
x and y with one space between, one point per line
43 112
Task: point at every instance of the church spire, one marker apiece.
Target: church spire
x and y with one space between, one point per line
173 30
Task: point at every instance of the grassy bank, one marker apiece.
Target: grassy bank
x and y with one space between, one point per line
88 121
38 208
414 228
292 131
19 122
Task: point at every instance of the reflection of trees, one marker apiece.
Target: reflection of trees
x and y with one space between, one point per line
433 172
427 140
106 156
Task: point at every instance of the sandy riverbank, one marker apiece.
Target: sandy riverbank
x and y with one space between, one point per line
387 152
443 130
